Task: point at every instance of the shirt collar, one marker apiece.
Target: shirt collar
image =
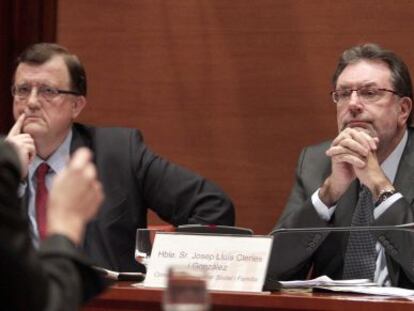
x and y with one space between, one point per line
57 160
390 165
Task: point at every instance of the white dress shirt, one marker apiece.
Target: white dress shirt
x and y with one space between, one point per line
56 162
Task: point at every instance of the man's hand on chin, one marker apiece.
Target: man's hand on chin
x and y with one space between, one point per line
23 143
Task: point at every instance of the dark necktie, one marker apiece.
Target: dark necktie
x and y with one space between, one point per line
360 256
41 199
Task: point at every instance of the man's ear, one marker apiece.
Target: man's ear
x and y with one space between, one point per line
77 105
406 106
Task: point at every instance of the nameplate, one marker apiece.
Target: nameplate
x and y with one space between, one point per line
231 263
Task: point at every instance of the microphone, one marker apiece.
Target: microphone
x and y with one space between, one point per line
402 227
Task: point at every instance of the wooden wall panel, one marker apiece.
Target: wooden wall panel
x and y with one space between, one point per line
5 66
230 89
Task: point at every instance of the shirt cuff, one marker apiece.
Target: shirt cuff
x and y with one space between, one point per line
22 189
380 209
323 211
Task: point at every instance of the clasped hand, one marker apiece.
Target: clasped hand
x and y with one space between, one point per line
354 155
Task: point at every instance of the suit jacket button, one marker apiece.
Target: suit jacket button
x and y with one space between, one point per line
317 237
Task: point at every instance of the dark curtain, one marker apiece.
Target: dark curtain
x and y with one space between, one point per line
22 23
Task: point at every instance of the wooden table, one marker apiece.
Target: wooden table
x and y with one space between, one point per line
123 296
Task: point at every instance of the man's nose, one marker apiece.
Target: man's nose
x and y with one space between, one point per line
33 99
355 103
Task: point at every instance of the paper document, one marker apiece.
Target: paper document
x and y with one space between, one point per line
326 281
360 286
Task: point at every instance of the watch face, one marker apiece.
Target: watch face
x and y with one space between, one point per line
384 195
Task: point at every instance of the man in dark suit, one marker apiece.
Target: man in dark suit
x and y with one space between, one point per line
373 151
57 277
49 92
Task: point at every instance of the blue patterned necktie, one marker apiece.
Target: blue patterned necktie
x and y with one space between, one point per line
360 256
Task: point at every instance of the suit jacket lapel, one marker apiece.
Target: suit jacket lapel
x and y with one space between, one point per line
404 183
80 138
404 180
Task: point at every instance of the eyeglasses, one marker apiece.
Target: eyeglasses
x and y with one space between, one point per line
48 93
365 94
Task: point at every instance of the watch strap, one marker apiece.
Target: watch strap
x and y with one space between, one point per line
383 195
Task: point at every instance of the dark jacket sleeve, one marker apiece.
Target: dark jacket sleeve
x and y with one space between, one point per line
293 253
58 279
176 194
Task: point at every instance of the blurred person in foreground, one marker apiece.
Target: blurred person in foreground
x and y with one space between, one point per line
49 91
57 277
362 177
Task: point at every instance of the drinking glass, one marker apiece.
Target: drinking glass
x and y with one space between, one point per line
186 290
143 245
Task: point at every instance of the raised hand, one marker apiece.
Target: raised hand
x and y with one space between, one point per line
23 143
74 197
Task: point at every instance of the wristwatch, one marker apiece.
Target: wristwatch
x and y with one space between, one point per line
384 194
